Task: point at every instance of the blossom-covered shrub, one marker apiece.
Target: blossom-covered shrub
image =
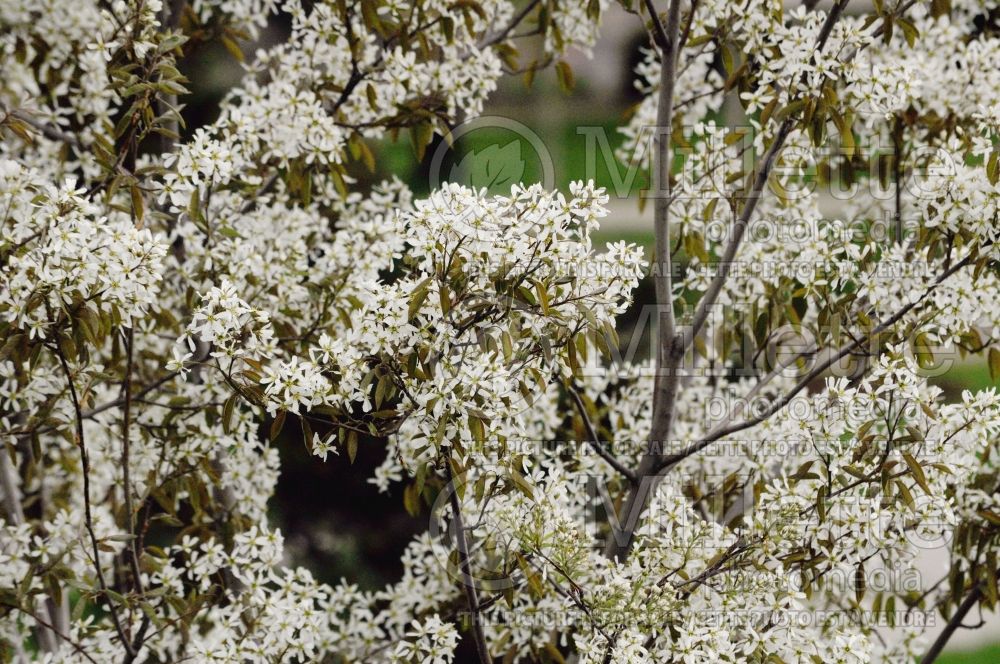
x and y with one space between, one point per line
171 301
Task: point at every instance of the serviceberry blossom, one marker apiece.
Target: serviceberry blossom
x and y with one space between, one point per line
177 303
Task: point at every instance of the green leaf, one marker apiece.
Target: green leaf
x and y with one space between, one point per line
921 346
887 26
846 133
940 8
728 64
227 412
339 183
694 244
565 75
448 27
445 299
421 134
417 298
20 129
507 344
790 110
352 445
917 471
553 652
994 361
277 424
992 517
477 429
138 207
543 296
411 499
531 576
529 75
369 13
170 42
993 167
233 47
910 32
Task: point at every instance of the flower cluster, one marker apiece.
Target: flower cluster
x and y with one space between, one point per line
70 256
431 641
171 298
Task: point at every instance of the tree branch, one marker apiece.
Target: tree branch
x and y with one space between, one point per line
669 349
763 172
953 624
726 429
52 628
132 552
469 586
673 346
662 38
667 359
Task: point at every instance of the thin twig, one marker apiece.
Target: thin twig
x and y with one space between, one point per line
514 22
663 40
87 512
12 501
595 441
126 460
136 396
52 628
